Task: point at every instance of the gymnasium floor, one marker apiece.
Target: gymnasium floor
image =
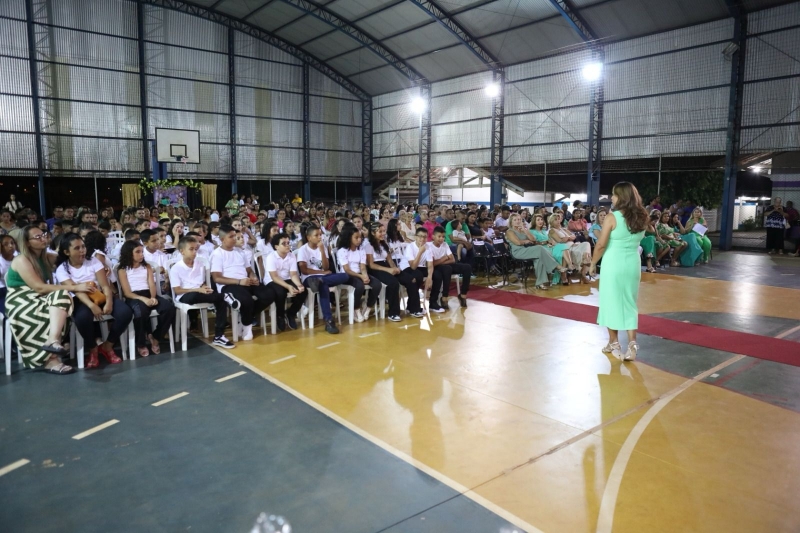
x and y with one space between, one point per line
490 419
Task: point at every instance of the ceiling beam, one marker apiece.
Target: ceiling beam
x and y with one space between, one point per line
574 18
263 35
362 17
256 10
365 39
461 33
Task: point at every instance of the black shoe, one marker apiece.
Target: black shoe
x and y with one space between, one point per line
394 318
291 322
313 283
281 323
223 341
463 299
436 309
331 328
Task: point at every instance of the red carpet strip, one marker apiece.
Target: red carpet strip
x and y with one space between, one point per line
758 346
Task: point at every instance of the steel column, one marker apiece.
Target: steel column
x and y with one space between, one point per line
306 144
595 158
232 104
498 118
425 145
734 130
147 157
366 151
37 125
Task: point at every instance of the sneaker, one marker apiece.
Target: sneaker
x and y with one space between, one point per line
281 323
331 328
394 318
224 342
436 309
365 313
417 314
358 316
291 322
463 300
313 283
303 311
231 300
247 333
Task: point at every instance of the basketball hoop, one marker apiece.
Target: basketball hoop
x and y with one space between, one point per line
183 160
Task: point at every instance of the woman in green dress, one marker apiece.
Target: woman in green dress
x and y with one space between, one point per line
539 231
618 246
672 238
702 240
693 252
524 247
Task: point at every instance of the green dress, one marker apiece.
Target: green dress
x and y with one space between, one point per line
703 240
692 254
543 262
557 251
619 282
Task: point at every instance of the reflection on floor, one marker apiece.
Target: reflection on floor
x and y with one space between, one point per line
514 419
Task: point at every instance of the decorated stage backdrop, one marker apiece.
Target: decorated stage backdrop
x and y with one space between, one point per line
170 195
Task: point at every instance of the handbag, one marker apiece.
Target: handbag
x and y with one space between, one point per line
98 298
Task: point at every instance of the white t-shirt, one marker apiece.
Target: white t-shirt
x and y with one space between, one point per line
438 252
352 258
215 238
158 257
501 222
205 249
116 250
137 278
4 266
312 259
247 253
180 275
264 248
83 274
284 266
228 263
411 252
377 255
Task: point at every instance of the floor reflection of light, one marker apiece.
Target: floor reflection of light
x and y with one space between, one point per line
425 325
429 353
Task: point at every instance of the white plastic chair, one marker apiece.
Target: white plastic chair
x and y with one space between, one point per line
236 319
273 309
380 303
77 342
131 333
182 316
5 340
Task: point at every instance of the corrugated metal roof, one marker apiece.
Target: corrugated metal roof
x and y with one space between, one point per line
512 31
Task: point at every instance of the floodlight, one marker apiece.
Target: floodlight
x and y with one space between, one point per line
756 169
592 71
418 105
446 170
492 90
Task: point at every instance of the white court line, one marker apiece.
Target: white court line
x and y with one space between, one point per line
324 346
409 326
13 466
281 360
787 332
369 334
95 429
226 378
496 509
171 398
608 505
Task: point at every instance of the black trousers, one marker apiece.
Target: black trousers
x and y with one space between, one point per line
281 294
413 279
220 307
358 284
392 288
775 238
250 307
84 321
141 317
441 279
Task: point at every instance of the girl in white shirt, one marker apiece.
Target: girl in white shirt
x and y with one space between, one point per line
8 250
139 289
382 266
74 268
353 261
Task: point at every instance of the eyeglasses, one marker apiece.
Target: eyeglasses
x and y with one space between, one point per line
40 237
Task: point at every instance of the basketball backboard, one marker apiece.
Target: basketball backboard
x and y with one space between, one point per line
173 145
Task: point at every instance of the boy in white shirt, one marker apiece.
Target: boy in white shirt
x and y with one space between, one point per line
444 266
153 255
236 280
188 279
416 264
282 278
316 274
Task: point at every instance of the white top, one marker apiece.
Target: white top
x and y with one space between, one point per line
264 248
352 258
377 255
438 252
205 249
410 254
501 222
85 273
228 263
158 257
284 266
247 253
137 278
103 258
312 258
180 275
116 250
215 238
4 266
397 249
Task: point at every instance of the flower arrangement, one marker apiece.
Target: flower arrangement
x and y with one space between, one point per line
147 186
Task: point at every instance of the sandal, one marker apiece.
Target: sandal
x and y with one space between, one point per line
56 348
541 287
154 347
143 351
59 369
651 270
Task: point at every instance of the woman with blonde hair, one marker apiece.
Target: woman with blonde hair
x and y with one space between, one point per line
618 246
524 247
580 252
539 231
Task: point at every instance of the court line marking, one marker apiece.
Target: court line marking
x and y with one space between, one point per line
787 332
13 466
170 399
226 378
464 491
325 345
369 334
95 429
282 359
608 504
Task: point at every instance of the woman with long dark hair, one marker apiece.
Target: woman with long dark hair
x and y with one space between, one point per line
382 266
618 245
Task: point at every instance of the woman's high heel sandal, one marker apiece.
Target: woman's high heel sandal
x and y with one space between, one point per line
110 356
613 348
633 350
93 362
